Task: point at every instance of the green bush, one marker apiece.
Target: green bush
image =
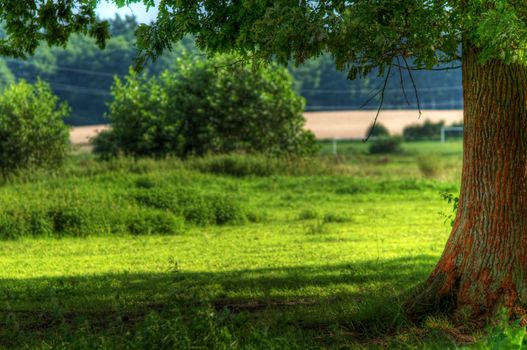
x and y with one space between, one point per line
104 145
385 145
196 208
152 221
70 220
13 224
427 131
157 198
226 210
32 129
379 130
201 109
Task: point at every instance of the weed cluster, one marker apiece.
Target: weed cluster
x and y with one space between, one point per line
109 203
429 166
194 206
240 165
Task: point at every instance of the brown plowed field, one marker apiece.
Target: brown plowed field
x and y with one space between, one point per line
330 125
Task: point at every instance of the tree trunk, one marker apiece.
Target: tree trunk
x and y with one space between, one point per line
484 265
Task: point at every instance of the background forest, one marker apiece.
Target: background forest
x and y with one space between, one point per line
81 72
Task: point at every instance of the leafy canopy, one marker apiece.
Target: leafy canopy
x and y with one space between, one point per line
360 35
28 23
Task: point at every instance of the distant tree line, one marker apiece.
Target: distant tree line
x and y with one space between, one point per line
82 75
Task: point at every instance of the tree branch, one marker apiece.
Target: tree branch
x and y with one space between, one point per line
381 103
415 87
401 80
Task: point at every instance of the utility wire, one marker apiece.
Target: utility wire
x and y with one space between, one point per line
67 69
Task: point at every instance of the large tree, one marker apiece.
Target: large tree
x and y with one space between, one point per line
484 264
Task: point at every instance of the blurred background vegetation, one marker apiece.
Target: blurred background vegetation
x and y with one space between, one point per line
82 72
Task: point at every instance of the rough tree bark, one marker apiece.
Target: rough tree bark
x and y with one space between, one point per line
484 264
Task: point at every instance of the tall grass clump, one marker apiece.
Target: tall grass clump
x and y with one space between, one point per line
242 165
429 166
196 207
308 214
238 165
503 335
151 221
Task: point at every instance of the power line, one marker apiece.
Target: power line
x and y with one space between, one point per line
67 69
75 88
360 90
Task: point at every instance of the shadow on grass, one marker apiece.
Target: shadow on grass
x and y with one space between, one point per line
360 298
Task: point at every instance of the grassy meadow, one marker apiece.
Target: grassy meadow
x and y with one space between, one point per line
226 251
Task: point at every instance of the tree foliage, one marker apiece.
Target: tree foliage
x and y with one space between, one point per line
359 35
28 23
82 72
208 106
32 129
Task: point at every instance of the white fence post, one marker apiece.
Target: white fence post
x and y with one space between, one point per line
334 147
449 128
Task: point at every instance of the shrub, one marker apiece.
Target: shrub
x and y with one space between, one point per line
386 145
32 129
63 220
379 130
104 145
226 210
196 208
200 109
427 131
157 198
12 224
429 165
39 224
69 220
152 221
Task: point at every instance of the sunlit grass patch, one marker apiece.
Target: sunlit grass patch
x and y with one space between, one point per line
281 261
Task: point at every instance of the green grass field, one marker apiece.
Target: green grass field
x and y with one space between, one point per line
312 254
